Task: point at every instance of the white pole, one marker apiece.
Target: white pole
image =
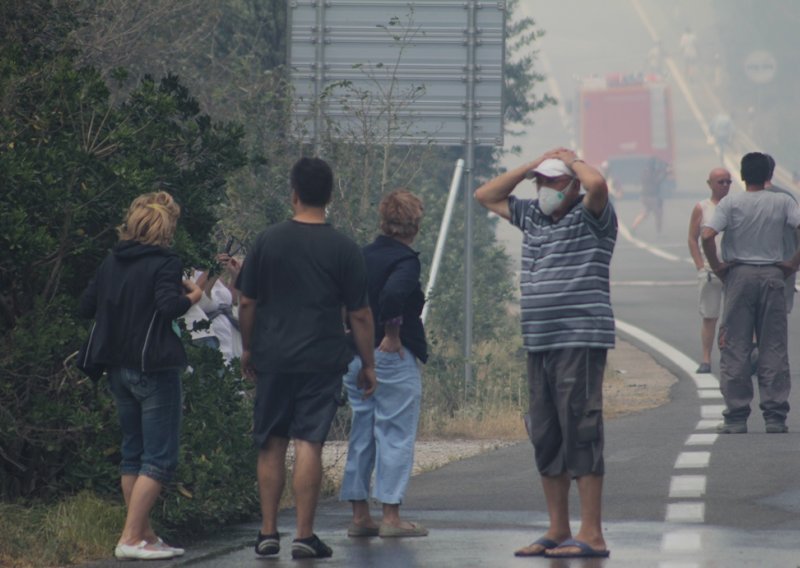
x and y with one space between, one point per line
448 214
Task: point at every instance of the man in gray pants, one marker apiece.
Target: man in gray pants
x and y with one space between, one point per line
754 273
567 329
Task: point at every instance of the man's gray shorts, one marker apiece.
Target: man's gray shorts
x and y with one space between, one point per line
710 289
565 420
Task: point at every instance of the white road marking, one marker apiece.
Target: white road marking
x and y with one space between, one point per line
708 387
712 411
684 363
626 234
692 460
709 393
683 87
707 425
685 512
705 381
687 486
701 439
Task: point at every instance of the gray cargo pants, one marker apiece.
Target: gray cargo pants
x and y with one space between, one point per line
754 302
565 419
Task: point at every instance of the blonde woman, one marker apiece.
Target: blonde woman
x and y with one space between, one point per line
134 297
384 427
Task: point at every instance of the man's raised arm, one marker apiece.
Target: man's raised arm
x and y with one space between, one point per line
494 193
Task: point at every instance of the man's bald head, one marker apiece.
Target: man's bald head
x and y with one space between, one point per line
719 181
718 172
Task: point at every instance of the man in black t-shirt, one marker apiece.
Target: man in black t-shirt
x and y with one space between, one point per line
294 284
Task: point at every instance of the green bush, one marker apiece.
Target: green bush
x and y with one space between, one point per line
65 438
72 157
55 425
216 480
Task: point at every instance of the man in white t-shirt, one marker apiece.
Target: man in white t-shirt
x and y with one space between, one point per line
710 287
754 275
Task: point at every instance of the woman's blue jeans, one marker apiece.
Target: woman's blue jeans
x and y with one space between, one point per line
150 409
383 430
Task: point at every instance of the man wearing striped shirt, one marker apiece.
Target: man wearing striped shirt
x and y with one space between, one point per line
567 327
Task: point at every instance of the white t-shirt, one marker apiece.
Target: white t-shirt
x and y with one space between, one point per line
230 340
195 313
754 222
707 208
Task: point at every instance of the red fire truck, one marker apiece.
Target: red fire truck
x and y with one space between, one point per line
623 123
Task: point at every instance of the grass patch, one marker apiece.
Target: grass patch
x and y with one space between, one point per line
75 530
490 406
475 423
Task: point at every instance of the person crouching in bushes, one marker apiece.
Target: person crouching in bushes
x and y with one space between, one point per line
384 426
134 297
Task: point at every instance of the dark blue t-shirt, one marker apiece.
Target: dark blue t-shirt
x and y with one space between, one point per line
301 275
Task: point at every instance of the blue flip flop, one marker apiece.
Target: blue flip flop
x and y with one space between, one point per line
543 541
584 550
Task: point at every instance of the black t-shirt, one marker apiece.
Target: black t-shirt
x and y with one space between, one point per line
301 275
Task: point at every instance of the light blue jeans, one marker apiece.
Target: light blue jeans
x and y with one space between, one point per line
384 429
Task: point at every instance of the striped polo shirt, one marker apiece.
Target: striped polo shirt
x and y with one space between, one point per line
564 283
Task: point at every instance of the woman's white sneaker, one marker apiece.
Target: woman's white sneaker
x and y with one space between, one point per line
143 551
176 551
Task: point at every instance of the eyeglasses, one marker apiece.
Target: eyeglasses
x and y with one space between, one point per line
725 181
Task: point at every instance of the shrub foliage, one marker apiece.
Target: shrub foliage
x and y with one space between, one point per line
85 126
71 160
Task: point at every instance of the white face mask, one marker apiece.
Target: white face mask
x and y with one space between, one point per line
549 199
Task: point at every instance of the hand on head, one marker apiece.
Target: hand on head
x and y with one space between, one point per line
564 154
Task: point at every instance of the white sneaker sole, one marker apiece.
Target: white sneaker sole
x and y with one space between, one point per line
141 552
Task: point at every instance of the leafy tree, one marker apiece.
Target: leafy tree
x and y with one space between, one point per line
522 79
369 162
230 53
84 127
71 160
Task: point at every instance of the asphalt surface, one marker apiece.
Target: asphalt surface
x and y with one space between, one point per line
481 509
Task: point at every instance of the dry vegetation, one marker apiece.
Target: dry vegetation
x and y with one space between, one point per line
634 382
